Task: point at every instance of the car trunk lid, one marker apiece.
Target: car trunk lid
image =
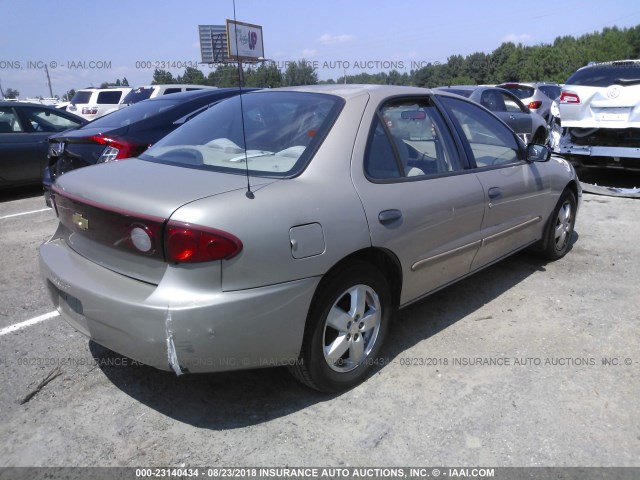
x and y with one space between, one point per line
614 106
100 207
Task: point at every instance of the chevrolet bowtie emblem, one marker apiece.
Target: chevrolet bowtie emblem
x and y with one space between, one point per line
80 221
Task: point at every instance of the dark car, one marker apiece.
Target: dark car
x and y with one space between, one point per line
24 129
530 126
127 132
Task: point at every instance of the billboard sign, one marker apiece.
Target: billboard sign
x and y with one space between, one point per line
244 41
213 43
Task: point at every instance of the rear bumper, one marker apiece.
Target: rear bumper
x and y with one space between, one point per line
598 151
171 327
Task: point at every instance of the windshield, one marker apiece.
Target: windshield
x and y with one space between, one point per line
607 74
134 113
282 131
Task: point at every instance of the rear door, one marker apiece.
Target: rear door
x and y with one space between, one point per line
516 194
420 200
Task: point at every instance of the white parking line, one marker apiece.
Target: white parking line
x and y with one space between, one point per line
25 213
28 323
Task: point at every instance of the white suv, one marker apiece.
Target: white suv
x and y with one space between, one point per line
151 91
600 115
91 103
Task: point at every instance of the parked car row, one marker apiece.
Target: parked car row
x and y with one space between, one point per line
93 103
23 149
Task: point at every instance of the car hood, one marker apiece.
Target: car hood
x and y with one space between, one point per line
146 187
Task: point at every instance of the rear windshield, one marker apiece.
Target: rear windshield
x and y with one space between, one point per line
605 75
520 91
81 97
109 98
282 132
137 94
134 113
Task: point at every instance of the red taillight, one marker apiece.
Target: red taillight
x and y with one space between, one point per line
567 96
192 243
534 105
117 149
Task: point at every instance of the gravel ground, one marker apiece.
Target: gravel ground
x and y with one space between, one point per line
523 364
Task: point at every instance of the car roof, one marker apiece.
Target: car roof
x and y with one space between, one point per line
175 85
205 92
31 104
461 87
347 91
528 84
42 106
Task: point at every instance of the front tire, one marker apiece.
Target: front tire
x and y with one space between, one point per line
346 326
560 227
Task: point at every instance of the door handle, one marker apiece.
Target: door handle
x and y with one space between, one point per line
494 192
389 216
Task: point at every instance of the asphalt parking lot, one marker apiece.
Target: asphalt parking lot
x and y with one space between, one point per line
523 364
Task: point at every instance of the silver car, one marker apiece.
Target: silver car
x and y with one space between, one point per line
286 226
530 126
537 96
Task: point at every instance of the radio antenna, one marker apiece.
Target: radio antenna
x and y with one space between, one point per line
249 194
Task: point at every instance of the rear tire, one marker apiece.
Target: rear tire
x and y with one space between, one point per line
560 227
346 326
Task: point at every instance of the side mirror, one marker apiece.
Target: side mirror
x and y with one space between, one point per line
537 153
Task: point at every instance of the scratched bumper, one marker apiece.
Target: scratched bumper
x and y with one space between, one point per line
210 331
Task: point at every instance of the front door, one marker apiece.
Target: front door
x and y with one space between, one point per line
516 195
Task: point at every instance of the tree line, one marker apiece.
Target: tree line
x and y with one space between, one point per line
553 62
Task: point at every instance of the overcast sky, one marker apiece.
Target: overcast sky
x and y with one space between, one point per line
87 43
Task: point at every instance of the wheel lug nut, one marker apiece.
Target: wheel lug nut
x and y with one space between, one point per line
348 325
361 326
348 336
355 337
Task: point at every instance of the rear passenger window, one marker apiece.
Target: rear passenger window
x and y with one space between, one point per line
110 98
491 142
172 90
409 139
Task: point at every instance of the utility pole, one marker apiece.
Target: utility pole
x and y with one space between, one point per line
48 80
